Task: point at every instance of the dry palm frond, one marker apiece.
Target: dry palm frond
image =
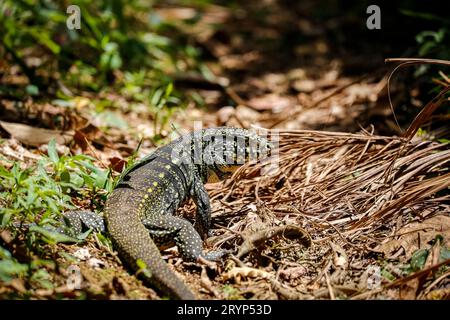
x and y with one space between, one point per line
352 181
356 189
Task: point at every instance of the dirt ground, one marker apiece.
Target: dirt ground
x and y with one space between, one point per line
352 211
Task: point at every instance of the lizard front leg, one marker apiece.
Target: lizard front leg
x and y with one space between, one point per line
167 230
202 201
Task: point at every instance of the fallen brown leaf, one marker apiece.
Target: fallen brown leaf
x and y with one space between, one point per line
35 136
416 235
272 102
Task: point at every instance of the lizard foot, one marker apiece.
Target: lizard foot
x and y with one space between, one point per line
215 256
77 220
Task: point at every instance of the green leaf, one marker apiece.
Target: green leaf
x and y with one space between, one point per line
42 278
6 217
418 259
445 254
143 268
113 120
31 195
115 61
4 254
65 176
44 39
104 241
110 58
76 180
37 263
10 269
64 103
422 15
84 235
156 97
169 90
52 153
32 90
387 275
67 256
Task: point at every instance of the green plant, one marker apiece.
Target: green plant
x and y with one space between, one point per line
9 267
430 41
162 104
39 194
114 35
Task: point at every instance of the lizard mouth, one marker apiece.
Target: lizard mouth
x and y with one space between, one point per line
230 169
214 177
226 171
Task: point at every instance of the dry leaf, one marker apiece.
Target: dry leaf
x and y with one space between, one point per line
117 164
340 258
270 102
246 114
18 284
408 291
207 284
224 114
413 233
304 85
439 294
247 272
35 136
292 274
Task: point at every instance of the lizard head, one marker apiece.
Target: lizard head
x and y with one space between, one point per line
233 148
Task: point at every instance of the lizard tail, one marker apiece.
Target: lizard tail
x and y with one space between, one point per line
134 243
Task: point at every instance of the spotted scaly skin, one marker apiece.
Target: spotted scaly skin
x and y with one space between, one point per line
139 212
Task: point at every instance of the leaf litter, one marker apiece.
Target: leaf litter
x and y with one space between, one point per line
346 216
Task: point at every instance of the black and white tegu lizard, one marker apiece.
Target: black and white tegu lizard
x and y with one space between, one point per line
139 212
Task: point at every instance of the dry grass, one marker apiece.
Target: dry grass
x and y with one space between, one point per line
373 206
352 193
